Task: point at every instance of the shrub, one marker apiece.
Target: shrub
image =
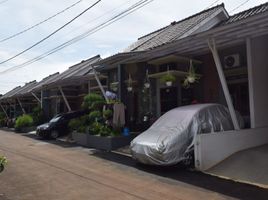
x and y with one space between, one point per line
38 115
3 162
92 101
79 124
74 124
24 121
95 128
107 114
94 115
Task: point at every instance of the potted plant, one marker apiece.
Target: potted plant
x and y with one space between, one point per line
114 86
147 82
78 128
3 162
191 77
129 84
168 79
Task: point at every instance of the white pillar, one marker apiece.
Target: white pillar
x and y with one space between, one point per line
65 100
36 98
100 85
21 106
213 48
4 110
250 84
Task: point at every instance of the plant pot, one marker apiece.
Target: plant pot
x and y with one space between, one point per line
26 129
169 83
191 79
109 143
129 89
80 138
147 85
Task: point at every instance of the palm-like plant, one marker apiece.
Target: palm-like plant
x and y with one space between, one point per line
191 77
3 162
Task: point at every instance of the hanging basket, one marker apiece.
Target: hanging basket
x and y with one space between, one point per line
147 85
129 89
191 77
168 83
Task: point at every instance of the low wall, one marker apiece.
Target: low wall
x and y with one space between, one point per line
210 149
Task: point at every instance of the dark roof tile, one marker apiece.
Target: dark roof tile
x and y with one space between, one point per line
174 31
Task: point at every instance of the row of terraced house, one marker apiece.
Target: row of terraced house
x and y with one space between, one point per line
228 54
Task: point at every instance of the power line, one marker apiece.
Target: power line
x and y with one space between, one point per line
243 3
39 23
92 20
57 30
115 18
213 4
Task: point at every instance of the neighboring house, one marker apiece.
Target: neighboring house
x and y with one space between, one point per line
230 55
57 93
19 100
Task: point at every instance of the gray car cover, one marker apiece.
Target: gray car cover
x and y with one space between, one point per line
168 140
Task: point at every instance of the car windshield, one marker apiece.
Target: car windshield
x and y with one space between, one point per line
55 119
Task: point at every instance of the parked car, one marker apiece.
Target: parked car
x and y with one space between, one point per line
170 139
58 125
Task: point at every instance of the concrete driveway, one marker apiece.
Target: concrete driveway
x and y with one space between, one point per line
249 166
41 170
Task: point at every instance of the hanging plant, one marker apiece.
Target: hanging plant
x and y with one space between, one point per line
191 77
3 162
129 84
168 78
114 86
147 81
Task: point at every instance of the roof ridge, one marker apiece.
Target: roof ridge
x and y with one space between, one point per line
252 8
176 22
82 61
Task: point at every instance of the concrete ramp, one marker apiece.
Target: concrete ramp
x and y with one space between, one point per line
249 166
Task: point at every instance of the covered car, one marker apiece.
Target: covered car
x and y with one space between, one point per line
170 139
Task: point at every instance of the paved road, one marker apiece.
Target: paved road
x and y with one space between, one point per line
41 170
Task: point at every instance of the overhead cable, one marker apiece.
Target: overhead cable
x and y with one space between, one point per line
239 6
212 4
39 23
54 32
115 18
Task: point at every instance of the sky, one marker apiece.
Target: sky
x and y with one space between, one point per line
18 15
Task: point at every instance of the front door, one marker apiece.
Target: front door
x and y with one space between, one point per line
168 99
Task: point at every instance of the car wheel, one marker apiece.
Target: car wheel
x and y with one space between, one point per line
188 160
54 134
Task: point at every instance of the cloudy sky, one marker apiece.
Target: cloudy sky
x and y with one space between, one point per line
18 15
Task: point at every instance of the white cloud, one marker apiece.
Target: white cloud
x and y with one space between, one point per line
21 14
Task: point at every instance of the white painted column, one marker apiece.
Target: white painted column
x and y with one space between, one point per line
89 87
36 98
65 100
99 84
250 84
4 110
21 106
213 48
42 98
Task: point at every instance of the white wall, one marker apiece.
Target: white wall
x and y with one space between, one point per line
257 49
210 149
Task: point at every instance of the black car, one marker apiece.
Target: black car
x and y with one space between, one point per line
58 125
